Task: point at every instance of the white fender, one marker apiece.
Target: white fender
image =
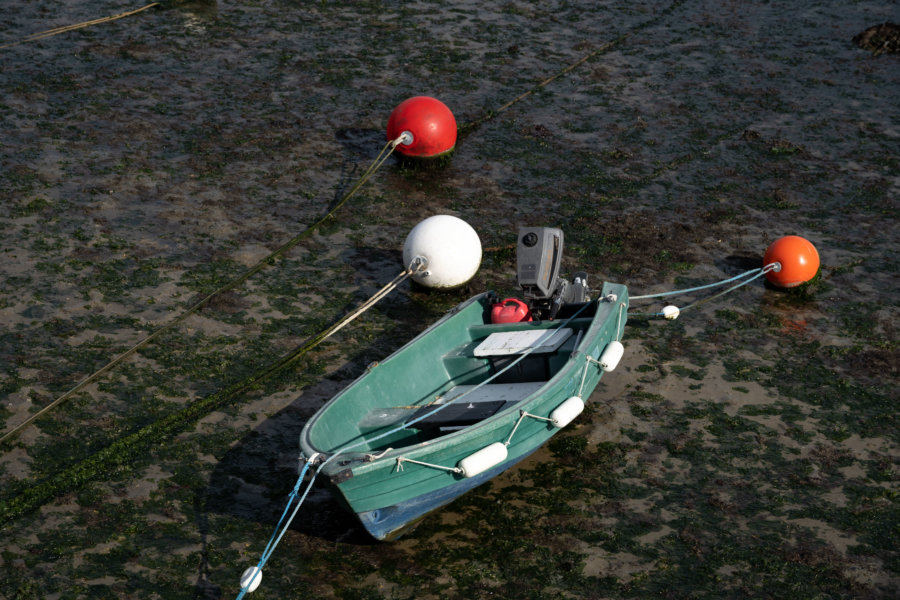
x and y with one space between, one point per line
610 358
251 578
484 459
566 412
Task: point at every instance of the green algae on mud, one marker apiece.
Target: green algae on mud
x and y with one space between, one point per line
747 449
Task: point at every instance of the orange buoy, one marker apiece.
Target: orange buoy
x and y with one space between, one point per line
797 260
429 122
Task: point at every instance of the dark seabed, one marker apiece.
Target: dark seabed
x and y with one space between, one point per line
748 449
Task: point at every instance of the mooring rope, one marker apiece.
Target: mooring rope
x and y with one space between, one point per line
695 289
57 30
273 541
491 114
466 127
379 160
125 449
756 275
387 289
746 278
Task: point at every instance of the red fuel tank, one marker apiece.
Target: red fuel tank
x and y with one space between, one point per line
510 310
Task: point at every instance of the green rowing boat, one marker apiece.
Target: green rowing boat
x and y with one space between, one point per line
469 397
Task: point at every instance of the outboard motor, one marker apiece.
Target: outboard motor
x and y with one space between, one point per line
538 258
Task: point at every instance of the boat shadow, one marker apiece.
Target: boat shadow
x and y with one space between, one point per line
254 479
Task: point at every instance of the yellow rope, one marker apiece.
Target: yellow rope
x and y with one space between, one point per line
56 31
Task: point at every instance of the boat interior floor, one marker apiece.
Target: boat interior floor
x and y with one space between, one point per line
494 356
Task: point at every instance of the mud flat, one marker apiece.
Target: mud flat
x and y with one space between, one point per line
748 449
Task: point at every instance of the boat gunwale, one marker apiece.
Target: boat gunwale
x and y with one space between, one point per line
361 461
362 466
305 441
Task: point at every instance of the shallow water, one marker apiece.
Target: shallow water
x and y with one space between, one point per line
749 448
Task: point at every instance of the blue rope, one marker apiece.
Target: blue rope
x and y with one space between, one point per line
755 272
489 379
761 272
270 547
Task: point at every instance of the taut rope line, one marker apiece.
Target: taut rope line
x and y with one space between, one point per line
742 279
56 31
605 47
491 114
123 450
379 160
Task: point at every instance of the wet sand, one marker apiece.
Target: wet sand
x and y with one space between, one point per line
748 449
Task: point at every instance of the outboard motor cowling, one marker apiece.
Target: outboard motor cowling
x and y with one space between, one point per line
538 261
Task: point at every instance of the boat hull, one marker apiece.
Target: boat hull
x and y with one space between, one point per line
393 476
391 522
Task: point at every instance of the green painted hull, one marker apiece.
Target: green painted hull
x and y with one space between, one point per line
369 455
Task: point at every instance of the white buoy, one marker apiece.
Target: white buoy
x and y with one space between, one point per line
610 358
251 578
566 412
449 247
484 459
671 312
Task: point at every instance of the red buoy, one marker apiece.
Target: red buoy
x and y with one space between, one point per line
797 258
430 123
